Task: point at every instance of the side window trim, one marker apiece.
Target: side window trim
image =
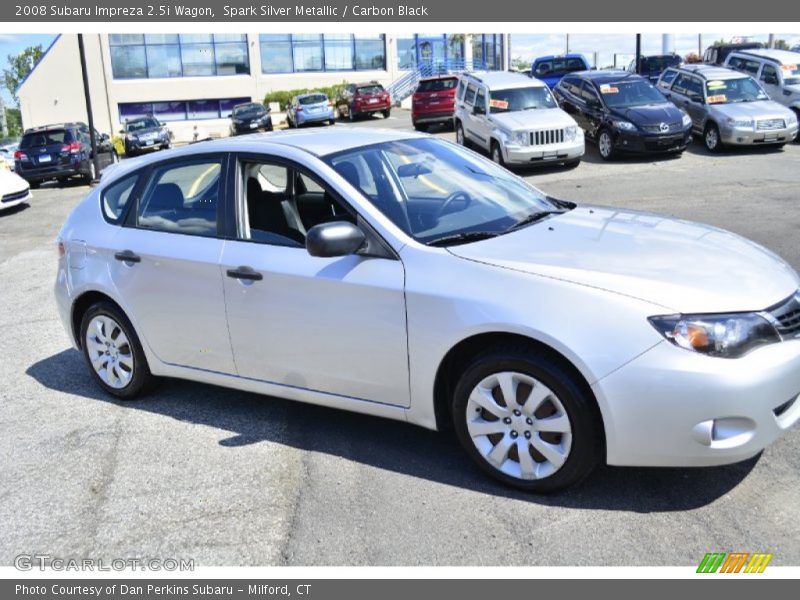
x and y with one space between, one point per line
133 199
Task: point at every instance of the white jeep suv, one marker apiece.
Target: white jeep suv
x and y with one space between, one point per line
516 119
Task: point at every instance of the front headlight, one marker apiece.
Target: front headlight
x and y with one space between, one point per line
741 123
687 120
624 125
570 133
521 138
723 335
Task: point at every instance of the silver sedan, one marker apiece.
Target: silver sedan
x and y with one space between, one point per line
403 276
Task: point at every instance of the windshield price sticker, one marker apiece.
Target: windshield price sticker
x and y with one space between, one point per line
501 104
715 85
789 67
609 89
718 99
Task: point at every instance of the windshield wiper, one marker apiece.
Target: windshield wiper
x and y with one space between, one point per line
531 219
462 238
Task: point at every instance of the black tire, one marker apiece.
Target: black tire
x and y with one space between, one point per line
586 449
332 122
142 380
461 137
420 127
386 113
606 149
571 164
497 153
711 133
351 116
34 185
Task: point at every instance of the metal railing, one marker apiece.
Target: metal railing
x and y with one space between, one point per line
402 87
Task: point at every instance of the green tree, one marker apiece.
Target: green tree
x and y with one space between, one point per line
19 66
781 45
13 122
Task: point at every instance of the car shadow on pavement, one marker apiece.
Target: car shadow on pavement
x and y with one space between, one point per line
244 419
14 210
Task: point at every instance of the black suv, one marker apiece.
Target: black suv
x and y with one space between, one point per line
59 152
623 112
653 66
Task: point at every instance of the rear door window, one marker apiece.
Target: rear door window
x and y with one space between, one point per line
182 198
470 96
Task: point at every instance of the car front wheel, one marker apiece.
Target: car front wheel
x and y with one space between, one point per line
711 138
526 421
497 154
605 145
113 352
461 140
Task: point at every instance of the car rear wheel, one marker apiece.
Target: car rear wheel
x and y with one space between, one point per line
461 139
711 138
605 145
526 421
386 113
113 352
34 185
420 127
91 174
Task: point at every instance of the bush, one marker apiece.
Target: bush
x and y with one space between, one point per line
283 97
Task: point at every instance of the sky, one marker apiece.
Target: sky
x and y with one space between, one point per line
526 46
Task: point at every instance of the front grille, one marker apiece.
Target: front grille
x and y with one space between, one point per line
770 124
676 126
786 317
14 196
546 137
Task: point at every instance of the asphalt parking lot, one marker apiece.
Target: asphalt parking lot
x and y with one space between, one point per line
230 478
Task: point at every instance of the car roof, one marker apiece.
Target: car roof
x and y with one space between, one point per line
40 128
607 76
555 56
247 104
505 79
319 142
307 94
710 71
779 56
437 77
366 83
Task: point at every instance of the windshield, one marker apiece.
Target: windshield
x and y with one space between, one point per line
370 89
530 98
142 124
315 99
791 74
249 110
437 85
626 94
45 138
729 91
433 189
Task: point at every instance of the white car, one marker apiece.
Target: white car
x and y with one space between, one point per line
14 189
402 276
7 155
516 119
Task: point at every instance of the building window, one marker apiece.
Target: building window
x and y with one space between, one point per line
180 110
487 50
429 48
165 55
286 53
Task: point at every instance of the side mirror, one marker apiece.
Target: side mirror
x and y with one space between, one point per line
697 99
105 137
478 109
338 238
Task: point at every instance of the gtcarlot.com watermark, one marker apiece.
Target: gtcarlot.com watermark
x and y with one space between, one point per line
42 562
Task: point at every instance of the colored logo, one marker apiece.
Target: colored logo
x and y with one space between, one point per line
735 562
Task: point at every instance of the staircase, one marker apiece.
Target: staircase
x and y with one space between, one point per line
402 87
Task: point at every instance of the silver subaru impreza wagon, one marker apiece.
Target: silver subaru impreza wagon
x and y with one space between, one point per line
403 276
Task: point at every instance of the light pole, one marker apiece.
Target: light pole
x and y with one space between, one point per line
88 98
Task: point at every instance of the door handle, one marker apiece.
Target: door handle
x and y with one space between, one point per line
245 273
128 256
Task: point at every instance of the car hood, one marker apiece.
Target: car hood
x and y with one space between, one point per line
761 109
682 266
650 115
530 119
11 182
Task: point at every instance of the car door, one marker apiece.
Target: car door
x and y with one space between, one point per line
687 93
166 266
480 116
105 150
593 111
571 99
331 325
472 125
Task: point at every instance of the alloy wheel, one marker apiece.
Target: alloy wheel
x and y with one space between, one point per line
109 351
519 426
604 144
712 138
459 135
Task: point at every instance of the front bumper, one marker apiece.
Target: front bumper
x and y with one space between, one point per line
653 143
529 155
672 407
131 146
243 128
15 198
734 136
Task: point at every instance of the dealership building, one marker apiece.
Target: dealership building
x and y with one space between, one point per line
191 81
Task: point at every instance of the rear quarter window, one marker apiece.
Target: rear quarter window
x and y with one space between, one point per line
115 198
46 138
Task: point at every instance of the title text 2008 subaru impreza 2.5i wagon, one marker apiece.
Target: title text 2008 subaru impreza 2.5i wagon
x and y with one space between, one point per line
406 277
